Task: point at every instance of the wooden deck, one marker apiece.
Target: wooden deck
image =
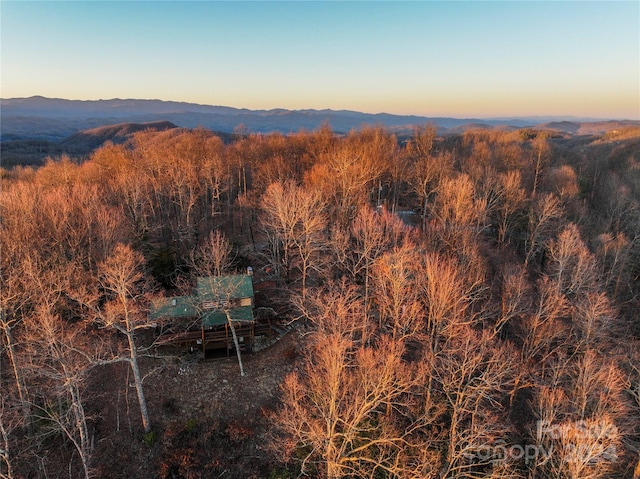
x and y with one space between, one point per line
222 338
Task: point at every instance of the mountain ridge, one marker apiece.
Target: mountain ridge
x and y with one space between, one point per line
36 127
28 117
124 104
55 119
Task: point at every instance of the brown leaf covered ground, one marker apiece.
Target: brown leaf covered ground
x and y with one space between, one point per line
208 421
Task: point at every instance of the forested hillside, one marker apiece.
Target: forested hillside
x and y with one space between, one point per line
464 306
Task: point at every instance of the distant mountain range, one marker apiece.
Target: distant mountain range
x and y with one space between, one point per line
51 118
55 119
52 125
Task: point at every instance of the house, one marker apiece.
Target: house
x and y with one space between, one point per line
206 317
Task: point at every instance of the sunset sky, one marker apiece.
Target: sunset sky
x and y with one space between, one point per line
463 59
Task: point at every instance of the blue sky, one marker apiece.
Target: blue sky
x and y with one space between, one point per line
463 59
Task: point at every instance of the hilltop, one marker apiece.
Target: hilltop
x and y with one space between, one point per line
94 137
77 145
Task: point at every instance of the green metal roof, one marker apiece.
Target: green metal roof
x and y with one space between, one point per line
225 288
218 317
215 290
174 307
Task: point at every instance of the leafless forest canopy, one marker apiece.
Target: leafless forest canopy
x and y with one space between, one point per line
465 306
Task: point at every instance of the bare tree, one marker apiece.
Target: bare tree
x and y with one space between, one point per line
339 409
124 283
615 261
311 243
544 214
633 390
582 418
617 202
30 282
347 174
337 309
214 257
472 374
294 221
459 213
514 301
396 294
213 173
235 341
596 387
542 328
563 181
8 422
511 201
371 234
442 288
10 321
131 188
428 169
542 153
572 265
60 360
581 450
594 318
20 218
357 408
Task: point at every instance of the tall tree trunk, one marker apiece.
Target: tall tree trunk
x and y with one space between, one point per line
20 387
85 447
137 378
536 173
5 456
236 343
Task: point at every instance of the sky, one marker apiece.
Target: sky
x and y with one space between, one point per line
483 59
